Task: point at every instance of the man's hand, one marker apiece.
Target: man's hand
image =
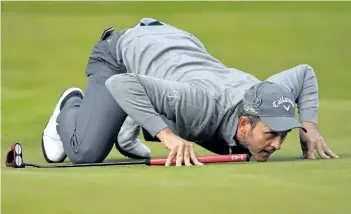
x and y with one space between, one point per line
313 141
179 148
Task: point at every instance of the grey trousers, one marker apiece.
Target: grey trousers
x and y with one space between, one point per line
89 127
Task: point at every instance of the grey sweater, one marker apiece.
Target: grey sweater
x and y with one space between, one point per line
173 82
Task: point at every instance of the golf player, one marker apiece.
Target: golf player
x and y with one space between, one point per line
160 78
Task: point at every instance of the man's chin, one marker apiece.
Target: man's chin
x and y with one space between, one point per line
261 156
261 159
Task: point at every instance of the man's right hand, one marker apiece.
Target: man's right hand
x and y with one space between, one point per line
313 141
179 149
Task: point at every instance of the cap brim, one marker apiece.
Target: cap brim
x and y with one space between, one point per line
280 124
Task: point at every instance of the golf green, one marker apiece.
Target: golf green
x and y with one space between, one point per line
45 48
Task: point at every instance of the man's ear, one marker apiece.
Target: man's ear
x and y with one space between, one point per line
244 125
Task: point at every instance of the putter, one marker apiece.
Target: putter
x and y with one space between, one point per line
14 159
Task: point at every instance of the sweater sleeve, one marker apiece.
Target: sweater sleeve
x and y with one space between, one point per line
148 100
302 82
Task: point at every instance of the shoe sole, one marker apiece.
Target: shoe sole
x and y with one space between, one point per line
43 149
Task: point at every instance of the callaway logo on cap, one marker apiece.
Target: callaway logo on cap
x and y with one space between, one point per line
274 104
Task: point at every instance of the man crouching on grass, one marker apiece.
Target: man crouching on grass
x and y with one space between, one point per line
256 121
162 79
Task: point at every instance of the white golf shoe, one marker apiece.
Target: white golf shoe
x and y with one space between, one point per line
128 143
51 143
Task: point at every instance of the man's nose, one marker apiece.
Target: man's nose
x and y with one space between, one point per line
276 144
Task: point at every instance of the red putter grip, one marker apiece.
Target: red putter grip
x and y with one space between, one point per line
208 159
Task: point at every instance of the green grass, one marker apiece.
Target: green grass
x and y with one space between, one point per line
45 47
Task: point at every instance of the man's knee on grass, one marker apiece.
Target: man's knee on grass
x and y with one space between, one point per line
87 155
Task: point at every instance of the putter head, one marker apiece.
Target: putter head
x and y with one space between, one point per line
14 157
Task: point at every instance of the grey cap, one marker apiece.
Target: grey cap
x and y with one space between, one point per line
274 104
